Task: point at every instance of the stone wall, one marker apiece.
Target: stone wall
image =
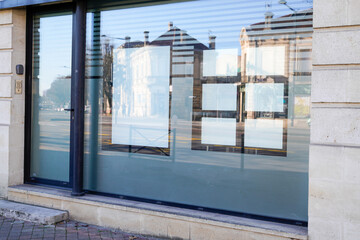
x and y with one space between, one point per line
12 52
334 192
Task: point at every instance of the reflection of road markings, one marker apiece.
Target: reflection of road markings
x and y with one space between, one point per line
259 149
186 140
271 150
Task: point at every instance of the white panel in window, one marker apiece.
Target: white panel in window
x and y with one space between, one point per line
220 62
140 102
183 69
220 131
264 133
264 97
183 59
219 97
266 61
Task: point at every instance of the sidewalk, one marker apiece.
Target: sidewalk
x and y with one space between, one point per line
11 229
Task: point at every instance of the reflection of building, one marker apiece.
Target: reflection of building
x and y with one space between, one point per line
185 55
278 50
272 70
204 67
143 76
141 89
185 51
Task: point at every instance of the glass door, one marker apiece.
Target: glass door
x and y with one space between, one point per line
51 98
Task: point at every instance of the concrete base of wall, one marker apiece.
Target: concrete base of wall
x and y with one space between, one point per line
152 219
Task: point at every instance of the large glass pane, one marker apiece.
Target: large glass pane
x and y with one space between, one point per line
51 90
204 103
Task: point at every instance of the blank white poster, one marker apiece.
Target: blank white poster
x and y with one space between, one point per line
264 97
220 62
219 97
264 133
140 104
220 131
266 61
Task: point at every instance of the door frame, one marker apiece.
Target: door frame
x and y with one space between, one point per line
30 12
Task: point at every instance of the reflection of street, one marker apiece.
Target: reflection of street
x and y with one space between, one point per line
54 130
55 136
50 153
296 145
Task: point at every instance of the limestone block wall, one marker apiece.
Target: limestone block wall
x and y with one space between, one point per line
334 168
12 52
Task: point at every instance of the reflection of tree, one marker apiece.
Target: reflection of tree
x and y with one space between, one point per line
59 92
107 73
302 106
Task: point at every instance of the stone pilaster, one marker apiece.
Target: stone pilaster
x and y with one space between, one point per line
334 168
12 52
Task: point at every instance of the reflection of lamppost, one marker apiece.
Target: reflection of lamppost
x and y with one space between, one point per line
106 36
284 2
127 39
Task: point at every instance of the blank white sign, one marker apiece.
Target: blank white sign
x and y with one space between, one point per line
266 61
264 133
140 105
264 97
219 97
220 62
219 131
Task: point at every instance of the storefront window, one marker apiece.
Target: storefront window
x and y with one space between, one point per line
202 103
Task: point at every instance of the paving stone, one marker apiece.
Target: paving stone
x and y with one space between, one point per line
12 229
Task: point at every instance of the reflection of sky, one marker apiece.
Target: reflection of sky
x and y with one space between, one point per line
224 19
55 49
